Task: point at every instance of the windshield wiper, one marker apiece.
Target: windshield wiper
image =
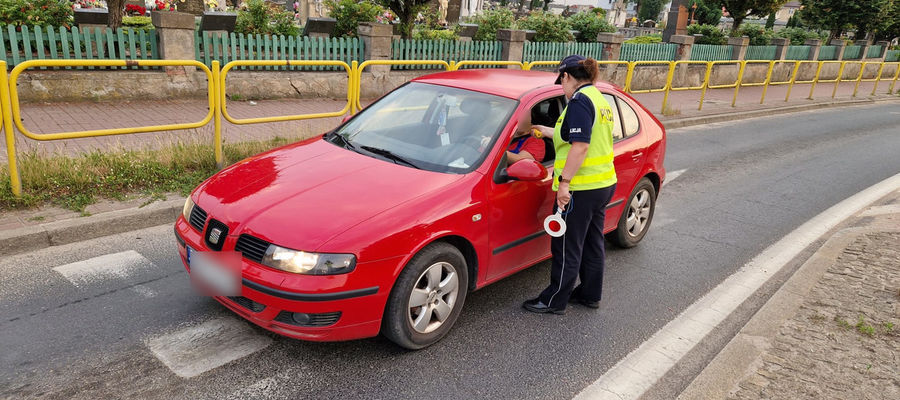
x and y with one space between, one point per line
389 155
345 143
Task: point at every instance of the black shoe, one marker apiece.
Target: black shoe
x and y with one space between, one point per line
536 306
589 304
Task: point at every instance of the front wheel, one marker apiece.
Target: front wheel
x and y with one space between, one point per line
637 215
427 298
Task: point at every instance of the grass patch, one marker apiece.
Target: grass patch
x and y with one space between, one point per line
842 322
74 183
670 111
865 328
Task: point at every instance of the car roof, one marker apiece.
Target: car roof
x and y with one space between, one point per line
511 83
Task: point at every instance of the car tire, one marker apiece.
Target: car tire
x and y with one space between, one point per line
636 217
428 279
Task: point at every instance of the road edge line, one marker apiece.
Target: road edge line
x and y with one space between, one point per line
633 375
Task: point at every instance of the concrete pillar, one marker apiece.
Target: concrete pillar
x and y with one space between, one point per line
377 41
612 45
781 47
815 45
885 45
864 49
839 48
176 38
740 45
685 43
512 42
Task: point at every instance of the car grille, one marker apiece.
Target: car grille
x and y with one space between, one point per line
315 320
198 218
251 247
247 303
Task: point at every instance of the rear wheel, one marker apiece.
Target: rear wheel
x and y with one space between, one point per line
427 298
637 215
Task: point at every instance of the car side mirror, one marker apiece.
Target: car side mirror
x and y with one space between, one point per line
526 170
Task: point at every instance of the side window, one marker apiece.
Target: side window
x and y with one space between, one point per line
617 121
629 118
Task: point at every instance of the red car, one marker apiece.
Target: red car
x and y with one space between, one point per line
387 222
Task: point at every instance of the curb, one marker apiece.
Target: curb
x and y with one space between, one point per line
735 116
78 229
742 353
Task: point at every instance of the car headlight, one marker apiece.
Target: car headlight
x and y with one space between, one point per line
302 262
188 207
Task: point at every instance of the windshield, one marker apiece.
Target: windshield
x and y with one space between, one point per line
430 127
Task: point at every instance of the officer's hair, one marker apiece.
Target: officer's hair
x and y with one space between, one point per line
589 70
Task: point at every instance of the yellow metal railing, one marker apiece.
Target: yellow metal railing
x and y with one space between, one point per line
357 79
709 85
280 63
11 113
671 88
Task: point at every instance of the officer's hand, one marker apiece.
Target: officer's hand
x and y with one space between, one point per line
563 196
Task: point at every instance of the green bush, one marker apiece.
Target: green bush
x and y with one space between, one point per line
490 21
36 12
758 35
549 27
137 23
262 18
590 24
349 14
435 34
711 34
799 36
646 39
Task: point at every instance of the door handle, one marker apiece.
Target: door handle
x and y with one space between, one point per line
636 155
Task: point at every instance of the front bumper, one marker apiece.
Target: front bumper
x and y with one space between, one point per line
269 297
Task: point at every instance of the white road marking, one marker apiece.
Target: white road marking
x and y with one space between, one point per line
118 265
643 367
196 349
144 291
671 176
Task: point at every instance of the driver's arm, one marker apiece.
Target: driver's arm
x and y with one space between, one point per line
523 155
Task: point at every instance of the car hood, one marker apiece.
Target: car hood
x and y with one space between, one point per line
302 195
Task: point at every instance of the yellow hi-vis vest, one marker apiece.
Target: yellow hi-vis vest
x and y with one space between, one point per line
598 170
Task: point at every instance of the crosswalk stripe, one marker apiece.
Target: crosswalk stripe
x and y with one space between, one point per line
191 351
117 265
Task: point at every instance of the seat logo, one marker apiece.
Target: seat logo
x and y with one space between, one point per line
214 235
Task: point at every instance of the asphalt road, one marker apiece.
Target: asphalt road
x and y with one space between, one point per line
744 185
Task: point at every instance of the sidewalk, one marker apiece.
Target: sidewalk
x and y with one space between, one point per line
831 332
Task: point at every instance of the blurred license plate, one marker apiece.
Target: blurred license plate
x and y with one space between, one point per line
215 273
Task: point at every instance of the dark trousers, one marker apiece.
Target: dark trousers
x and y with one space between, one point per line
580 253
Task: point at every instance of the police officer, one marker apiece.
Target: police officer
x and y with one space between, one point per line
584 180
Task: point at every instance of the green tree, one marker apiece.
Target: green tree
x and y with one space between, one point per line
770 22
892 30
741 9
708 12
650 9
406 11
839 16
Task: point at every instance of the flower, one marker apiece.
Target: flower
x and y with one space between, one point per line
168 5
